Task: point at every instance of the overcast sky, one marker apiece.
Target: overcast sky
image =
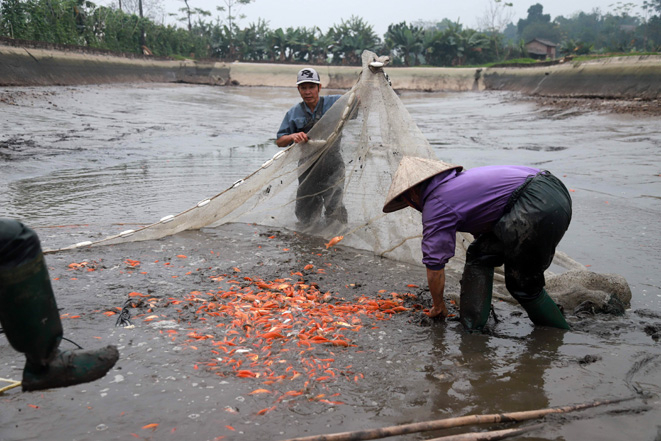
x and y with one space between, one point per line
381 13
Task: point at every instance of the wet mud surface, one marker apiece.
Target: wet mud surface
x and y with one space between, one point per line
338 340
197 371
608 106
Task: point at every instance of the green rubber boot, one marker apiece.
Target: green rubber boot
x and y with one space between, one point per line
30 319
544 312
67 368
475 296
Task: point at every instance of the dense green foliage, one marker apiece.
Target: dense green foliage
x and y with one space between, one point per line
83 23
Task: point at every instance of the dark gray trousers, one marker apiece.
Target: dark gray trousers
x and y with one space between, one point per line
525 237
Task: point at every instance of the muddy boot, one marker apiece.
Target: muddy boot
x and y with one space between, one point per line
544 312
67 368
30 319
475 296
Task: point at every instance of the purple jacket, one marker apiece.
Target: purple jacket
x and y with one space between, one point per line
470 201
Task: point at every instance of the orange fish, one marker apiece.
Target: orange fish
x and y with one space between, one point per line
137 294
267 410
260 391
272 334
334 241
339 343
293 393
335 403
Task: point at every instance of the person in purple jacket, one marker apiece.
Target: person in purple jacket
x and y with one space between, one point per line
517 215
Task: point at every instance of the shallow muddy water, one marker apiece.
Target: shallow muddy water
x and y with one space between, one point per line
84 162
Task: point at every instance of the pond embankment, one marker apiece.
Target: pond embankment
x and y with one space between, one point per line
635 77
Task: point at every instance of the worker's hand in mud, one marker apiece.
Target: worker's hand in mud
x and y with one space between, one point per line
299 137
439 312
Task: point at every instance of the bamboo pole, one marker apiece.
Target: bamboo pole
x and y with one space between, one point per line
488 436
11 386
447 423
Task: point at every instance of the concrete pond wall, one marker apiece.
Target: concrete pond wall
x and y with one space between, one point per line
617 77
636 77
43 67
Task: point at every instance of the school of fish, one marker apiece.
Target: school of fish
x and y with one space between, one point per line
252 329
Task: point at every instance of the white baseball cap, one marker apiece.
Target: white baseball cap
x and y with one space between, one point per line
307 75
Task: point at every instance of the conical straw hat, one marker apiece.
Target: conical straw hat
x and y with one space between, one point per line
411 172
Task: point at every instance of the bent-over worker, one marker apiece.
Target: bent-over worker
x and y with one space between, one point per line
517 214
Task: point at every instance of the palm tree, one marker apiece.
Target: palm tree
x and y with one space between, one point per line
278 41
442 47
475 43
350 38
305 43
432 42
406 40
320 47
252 41
292 41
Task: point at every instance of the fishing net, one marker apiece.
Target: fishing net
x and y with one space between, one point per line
335 184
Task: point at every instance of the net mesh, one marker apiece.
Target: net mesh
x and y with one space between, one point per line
335 184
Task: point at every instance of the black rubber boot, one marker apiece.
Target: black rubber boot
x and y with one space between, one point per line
30 319
544 312
70 367
475 296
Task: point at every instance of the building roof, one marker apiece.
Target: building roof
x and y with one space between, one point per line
544 42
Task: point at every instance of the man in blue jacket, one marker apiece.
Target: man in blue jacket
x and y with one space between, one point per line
517 214
320 186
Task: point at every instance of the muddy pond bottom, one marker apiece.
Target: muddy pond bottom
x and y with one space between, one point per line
86 162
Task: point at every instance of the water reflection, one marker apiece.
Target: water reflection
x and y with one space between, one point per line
485 374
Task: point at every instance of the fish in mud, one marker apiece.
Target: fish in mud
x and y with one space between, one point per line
334 241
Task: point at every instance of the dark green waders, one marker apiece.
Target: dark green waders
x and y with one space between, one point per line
31 321
524 240
543 311
475 302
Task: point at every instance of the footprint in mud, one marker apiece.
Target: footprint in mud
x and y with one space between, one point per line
654 331
589 359
645 374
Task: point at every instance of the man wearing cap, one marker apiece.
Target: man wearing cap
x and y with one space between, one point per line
320 187
518 216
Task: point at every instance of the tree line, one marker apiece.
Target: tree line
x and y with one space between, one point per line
445 43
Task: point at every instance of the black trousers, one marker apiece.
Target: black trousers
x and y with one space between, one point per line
18 244
525 237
